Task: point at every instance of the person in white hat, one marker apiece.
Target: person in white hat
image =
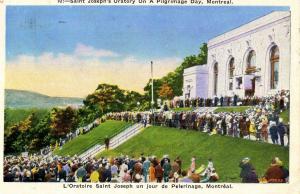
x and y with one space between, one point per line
273 132
281 131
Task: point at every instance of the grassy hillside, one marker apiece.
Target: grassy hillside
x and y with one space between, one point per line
232 109
226 152
27 99
219 109
13 116
182 109
96 136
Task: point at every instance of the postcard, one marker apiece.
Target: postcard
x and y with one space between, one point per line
143 96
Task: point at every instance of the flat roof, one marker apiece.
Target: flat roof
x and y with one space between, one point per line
250 26
198 68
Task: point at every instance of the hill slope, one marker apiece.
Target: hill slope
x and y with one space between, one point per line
226 152
27 99
96 136
13 116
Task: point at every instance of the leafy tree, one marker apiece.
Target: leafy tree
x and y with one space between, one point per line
87 115
19 135
10 136
166 92
133 100
175 79
25 124
157 83
41 134
106 98
62 121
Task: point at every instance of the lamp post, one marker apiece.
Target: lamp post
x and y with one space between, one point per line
152 97
138 105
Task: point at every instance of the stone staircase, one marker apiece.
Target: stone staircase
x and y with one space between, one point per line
114 142
205 109
125 135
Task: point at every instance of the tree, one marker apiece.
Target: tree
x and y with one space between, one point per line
87 115
157 84
32 132
41 133
133 100
166 92
25 124
10 137
175 79
106 98
62 121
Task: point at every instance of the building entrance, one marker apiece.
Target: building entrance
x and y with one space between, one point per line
249 85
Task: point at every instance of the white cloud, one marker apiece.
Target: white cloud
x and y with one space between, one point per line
71 75
89 51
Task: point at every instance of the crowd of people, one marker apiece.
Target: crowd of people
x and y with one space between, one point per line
258 122
276 172
69 136
126 169
281 100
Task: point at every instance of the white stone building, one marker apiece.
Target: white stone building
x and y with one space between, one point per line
195 82
250 60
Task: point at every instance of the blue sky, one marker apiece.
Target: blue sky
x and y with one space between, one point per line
141 31
67 51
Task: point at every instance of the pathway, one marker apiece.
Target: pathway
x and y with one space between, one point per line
114 142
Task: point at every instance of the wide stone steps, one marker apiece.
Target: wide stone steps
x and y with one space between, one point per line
114 142
205 109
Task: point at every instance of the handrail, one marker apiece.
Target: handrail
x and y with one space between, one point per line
96 148
88 154
122 129
101 140
115 141
127 134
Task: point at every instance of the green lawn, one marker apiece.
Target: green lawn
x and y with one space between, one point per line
95 136
13 116
182 109
232 109
285 115
226 152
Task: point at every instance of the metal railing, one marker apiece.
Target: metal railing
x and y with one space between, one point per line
93 151
101 140
115 137
123 137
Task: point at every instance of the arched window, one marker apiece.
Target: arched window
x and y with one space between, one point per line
251 59
215 78
251 62
274 60
231 72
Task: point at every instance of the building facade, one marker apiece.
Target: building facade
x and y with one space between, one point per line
251 60
195 82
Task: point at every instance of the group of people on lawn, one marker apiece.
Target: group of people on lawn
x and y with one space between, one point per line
125 169
281 100
276 173
258 122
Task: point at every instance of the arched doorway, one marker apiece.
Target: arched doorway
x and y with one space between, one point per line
215 78
249 77
274 61
230 73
